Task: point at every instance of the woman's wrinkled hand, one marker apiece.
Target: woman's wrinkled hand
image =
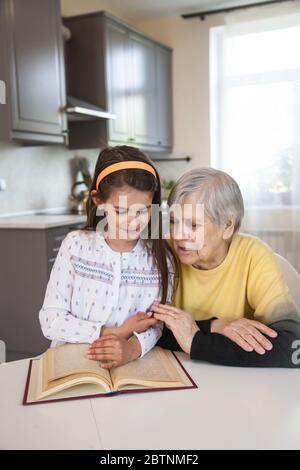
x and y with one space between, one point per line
181 323
250 335
113 351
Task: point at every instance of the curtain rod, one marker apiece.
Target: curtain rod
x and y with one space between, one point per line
172 159
203 14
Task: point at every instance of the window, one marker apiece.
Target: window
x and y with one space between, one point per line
255 110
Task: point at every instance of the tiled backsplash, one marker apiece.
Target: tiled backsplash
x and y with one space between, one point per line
40 177
37 177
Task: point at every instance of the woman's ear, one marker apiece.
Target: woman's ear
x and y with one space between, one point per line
229 228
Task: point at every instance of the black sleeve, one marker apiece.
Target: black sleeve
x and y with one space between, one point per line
217 349
168 341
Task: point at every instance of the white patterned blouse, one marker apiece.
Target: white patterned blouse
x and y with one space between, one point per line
92 285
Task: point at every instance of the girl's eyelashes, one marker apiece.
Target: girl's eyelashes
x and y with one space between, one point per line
121 212
125 211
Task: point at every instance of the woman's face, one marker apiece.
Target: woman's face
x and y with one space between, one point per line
196 239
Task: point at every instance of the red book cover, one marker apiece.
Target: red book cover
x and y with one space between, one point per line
138 390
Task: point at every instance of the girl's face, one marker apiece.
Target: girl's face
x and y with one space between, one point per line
128 212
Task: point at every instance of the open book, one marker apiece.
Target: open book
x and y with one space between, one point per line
65 373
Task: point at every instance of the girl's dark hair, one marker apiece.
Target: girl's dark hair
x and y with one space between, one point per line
143 181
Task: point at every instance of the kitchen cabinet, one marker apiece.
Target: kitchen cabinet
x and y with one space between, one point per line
27 257
164 109
32 66
131 84
143 90
113 66
118 83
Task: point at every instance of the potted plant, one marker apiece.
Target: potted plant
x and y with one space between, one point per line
167 186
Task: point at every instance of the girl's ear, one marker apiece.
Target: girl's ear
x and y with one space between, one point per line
95 198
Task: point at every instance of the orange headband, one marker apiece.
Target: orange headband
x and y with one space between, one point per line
128 165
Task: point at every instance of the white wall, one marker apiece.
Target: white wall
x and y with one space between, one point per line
80 7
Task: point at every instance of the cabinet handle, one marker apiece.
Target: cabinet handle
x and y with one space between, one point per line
159 142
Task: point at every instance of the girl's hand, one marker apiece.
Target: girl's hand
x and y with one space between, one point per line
113 351
138 323
245 333
179 322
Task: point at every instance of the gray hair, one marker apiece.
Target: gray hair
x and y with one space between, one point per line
219 192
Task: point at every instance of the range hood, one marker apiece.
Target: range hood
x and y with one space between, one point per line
78 110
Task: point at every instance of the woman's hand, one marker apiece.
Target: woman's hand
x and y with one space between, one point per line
179 322
245 333
113 351
138 323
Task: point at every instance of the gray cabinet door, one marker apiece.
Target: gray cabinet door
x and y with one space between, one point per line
118 83
37 69
143 90
164 97
27 257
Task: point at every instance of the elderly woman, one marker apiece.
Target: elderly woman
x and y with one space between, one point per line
231 305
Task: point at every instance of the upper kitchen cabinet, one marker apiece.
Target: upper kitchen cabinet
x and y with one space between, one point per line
32 66
119 69
118 83
144 106
164 97
131 86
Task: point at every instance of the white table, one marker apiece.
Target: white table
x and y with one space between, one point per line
233 408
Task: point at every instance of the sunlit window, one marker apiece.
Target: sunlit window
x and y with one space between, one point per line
255 112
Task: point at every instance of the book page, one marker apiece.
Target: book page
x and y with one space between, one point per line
70 359
156 367
70 389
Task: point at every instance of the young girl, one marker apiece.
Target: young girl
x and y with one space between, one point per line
106 276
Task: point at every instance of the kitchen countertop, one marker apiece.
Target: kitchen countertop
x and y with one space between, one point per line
40 221
47 218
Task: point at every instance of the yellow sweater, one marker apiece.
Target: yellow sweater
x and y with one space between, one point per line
248 283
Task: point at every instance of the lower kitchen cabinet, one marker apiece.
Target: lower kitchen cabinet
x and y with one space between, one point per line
26 257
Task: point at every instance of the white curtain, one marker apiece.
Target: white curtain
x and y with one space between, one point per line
255 119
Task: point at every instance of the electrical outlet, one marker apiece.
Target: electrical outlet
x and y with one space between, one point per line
2 184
